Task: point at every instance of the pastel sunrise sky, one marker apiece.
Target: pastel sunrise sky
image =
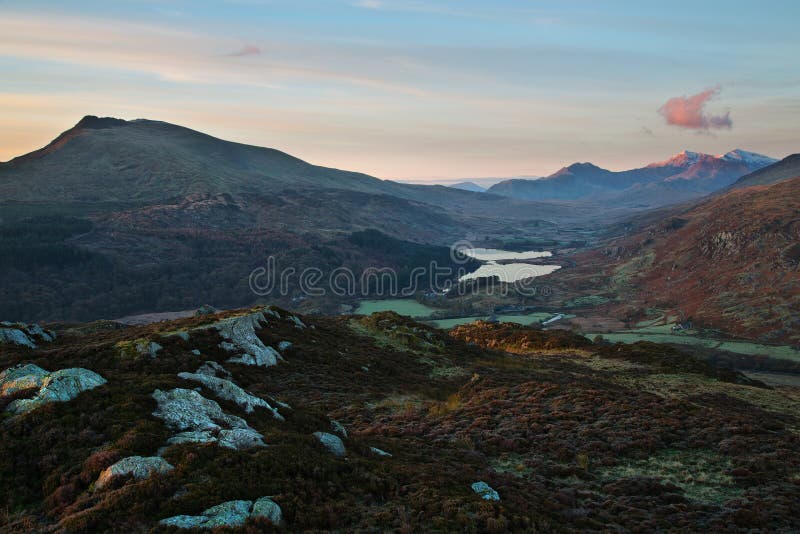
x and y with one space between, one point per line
415 89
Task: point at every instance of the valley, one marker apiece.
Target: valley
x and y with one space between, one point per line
200 241
399 266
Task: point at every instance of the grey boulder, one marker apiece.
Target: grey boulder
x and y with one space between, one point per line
59 386
485 491
228 514
138 466
331 442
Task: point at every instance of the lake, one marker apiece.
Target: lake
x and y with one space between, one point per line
493 254
509 272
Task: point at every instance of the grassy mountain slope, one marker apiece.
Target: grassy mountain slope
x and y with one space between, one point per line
104 160
730 262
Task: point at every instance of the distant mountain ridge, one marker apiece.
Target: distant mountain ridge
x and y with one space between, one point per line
105 159
469 186
785 169
683 176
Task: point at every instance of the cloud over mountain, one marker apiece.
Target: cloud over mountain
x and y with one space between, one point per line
689 112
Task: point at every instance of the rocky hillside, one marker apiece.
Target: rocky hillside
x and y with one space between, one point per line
260 420
731 263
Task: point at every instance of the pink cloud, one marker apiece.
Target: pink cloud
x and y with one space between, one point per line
246 50
689 112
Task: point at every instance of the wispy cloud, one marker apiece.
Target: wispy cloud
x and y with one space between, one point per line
246 50
191 57
689 112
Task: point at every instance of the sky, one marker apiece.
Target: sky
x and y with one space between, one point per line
413 89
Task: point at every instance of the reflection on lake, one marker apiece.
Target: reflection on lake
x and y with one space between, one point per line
510 272
493 254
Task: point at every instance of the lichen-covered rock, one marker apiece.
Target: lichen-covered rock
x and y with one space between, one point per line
21 377
59 386
338 428
203 436
185 521
201 420
212 368
16 336
183 335
138 347
485 491
240 438
331 442
283 346
266 507
228 514
36 330
138 466
187 410
297 322
227 390
24 335
380 452
240 334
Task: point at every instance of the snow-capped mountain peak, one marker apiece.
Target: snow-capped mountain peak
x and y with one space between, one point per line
748 158
684 159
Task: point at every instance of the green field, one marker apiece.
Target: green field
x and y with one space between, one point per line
409 307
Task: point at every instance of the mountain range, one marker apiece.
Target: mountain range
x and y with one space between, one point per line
469 186
184 217
115 218
105 159
683 176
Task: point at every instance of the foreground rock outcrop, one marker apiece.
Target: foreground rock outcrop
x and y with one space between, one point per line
45 387
24 335
227 390
229 514
200 420
240 335
332 442
485 491
137 466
